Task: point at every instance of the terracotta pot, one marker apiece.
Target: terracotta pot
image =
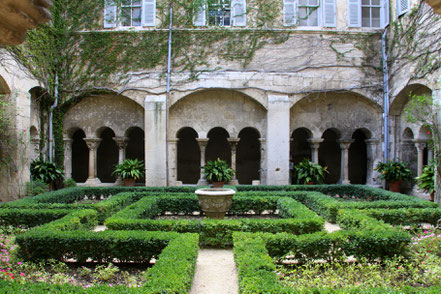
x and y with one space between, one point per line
129 182
432 196
394 186
310 183
218 184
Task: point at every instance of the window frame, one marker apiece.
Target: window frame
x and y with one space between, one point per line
371 6
309 8
132 7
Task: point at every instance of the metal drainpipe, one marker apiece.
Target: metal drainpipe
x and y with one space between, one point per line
385 97
168 95
51 114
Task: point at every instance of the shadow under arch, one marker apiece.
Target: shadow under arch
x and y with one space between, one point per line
4 88
300 147
358 157
107 155
135 148
80 155
189 159
218 146
248 156
330 155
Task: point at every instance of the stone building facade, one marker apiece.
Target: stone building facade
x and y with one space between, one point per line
317 94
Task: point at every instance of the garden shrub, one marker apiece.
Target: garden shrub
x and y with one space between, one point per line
30 217
406 216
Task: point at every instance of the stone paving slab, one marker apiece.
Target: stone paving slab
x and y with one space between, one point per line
216 273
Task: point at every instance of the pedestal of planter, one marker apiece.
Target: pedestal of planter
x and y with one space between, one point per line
215 202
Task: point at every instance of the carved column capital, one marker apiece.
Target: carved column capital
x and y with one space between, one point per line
371 142
173 140
315 142
92 143
420 144
345 143
121 142
202 142
233 143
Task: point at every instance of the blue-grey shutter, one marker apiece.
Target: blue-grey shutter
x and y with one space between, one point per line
329 13
403 6
148 17
384 13
109 14
290 12
200 16
354 13
239 10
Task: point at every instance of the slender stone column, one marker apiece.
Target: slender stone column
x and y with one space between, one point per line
121 142
344 165
155 121
92 144
233 145
371 146
277 142
67 157
202 145
420 145
173 161
315 144
262 169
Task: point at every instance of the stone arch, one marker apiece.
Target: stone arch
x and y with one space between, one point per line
107 155
188 156
330 155
116 112
345 112
205 110
135 148
218 146
79 155
358 157
4 88
400 101
300 147
248 156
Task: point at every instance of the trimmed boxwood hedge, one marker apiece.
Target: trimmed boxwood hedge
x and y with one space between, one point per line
297 219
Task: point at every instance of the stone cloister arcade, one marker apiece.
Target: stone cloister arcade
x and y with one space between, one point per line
339 130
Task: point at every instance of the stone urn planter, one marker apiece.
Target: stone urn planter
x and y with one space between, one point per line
215 202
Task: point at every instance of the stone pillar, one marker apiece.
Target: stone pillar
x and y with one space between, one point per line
35 144
420 145
92 144
67 157
233 145
278 140
371 146
121 142
344 165
155 140
173 162
315 144
262 170
429 152
202 145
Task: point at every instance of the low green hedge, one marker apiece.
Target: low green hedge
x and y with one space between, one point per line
29 217
406 216
256 271
298 219
173 272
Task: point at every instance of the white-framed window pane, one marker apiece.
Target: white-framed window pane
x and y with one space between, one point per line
126 16
313 17
366 2
136 21
219 13
376 2
366 17
375 17
303 16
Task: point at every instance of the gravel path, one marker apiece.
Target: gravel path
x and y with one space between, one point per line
216 272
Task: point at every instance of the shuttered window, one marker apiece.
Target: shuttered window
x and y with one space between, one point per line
403 6
329 13
129 13
308 12
290 12
368 13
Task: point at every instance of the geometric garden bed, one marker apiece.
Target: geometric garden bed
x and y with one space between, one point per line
135 234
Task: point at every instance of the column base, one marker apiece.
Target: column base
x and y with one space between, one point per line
119 182
92 182
344 182
202 182
233 182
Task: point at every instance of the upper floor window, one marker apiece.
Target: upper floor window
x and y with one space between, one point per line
309 13
368 13
129 13
402 6
221 13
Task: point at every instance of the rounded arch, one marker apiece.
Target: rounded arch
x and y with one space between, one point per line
94 111
205 110
358 157
329 155
33 132
189 159
402 98
80 155
425 133
248 156
345 112
408 134
300 147
4 88
107 155
218 145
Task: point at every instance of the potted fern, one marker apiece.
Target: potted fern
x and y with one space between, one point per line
426 181
309 173
394 172
46 172
218 172
129 170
